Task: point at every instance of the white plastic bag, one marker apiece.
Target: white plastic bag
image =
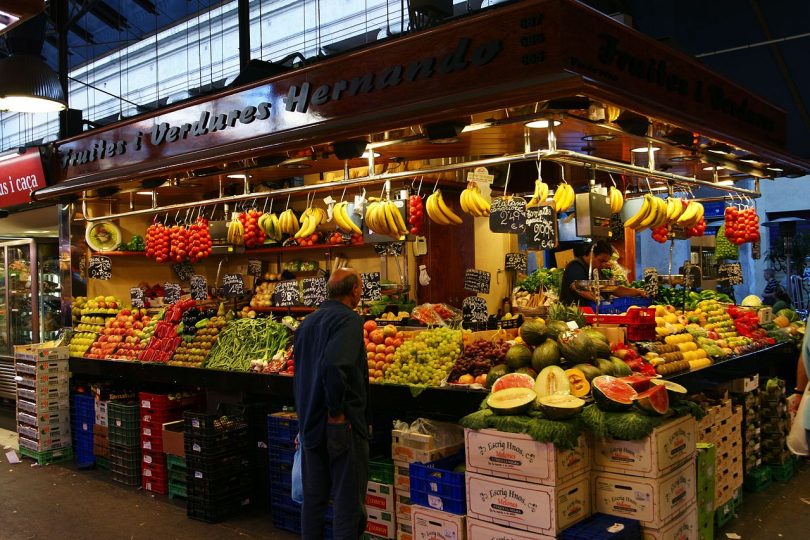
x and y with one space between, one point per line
297 481
797 438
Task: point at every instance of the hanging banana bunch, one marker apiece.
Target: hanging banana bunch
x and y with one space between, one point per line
439 212
473 202
288 222
540 194
340 213
383 217
616 200
310 219
564 197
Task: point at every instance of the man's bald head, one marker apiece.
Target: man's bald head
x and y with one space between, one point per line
342 283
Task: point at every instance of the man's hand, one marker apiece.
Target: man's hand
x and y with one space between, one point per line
339 419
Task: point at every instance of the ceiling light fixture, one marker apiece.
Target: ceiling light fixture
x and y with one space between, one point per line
712 168
725 183
644 149
678 159
598 137
350 149
143 193
541 124
237 176
775 169
368 154
29 85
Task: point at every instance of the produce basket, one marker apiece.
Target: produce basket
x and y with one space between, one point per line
437 485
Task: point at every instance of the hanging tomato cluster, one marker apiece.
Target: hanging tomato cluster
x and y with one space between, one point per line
742 225
254 235
157 242
200 240
416 216
179 243
697 230
660 234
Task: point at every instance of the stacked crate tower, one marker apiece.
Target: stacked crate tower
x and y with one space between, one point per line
43 403
84 418
219 473
101 435
775 429
124 426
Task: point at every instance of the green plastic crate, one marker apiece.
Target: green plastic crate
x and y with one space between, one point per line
723 514
782 473
49 456
175 462
177 491
757 479
103 464
381 470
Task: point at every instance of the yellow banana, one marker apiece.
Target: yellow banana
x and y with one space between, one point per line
482 206
688 214
616 200
433 212
563 197
464 200
642 213
662 214
402 228
540 194
445 210
289 222
236 232
652 217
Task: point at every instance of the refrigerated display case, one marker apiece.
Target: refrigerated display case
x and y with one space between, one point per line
30 300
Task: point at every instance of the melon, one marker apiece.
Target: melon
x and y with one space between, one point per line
546 354
654 400
599 342
551 380
518 356
559 406
620 367
791 315
555 328
511 400
752 300
513 380
612 394
589 370
638 382
527 371
578 383
495 373
575 347
605 366
675 390
533 332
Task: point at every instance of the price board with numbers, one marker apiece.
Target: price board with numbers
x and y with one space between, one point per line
541 227
233 285
507 215
254 268
171 292
651 282
476 281
199 287
518 262
730 274
183 270
371 286
100 267
136 297
474 309
314 291
286 293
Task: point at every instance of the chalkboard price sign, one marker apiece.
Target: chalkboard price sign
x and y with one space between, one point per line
314 291
183 270
541 227
371 286
651 282
518 262
730 274
286 293
199 287
476 281
171 292
100 268
617 228
233 285
474 309
507 215
136 297
254 268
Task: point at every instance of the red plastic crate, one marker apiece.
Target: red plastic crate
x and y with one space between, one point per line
641 332
162 401
152 443
154 460
157 417
155 485
643 316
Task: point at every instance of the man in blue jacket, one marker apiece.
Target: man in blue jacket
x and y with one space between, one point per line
331 397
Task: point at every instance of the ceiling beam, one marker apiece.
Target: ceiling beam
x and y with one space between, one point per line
147 6
109 16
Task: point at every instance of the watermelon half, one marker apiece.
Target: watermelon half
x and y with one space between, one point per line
513 380
612 394
654 401
639 382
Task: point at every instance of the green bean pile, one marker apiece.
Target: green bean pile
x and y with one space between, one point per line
243 340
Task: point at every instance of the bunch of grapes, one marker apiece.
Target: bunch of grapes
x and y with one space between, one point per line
425 359
478 358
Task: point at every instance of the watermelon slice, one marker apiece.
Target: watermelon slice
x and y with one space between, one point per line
511 400
654 401
639 382
513 380
612 394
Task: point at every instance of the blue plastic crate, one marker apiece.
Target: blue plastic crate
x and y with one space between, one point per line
287 518
281 476
281 430
279 455
597 527
84 411
436 485
621 304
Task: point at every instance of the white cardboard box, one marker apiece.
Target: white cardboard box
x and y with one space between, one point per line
652 501
519 457
481 530
430 524
382 524
664 450
682 527
380 496
529 507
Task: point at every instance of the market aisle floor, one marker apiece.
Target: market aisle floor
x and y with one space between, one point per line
60 501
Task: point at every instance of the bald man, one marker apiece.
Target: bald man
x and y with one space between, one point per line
331 389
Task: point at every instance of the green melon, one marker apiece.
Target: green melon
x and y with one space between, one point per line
552 380
518 356
589 370
555 328
495 373
512 400
559 406
605 366
620 368
533 332
547 354
575 347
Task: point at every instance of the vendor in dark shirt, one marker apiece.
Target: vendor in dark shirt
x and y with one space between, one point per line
577 270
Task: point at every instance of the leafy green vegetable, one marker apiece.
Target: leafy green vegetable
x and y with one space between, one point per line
685 406
508 423
563 434
477 420
594 419
630 426
549 279
561 312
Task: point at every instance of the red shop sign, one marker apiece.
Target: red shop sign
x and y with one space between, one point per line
19 176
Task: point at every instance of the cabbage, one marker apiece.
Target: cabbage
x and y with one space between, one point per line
752 300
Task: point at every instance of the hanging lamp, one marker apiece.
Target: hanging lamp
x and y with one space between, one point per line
28 84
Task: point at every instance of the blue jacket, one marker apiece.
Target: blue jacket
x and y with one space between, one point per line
331 372
806 359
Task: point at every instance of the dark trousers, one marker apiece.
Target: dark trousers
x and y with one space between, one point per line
338 466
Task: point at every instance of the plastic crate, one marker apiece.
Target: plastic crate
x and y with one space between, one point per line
280 455
282 428
177 490
281 477
282 499
287 519
166 402
381 470
123 415
153 443
102 463
435 485
84 409
596 528
782 473
621 304
47 457
213 512
227 419
175 462
757 479
177 476
125 437
220 444
723 514
125 456
125 476
154 484
155 418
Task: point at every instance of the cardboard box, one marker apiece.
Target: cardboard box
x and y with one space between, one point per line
682 527
414 447
669 445
412 455
744 384
652 501
39 352
528 507
380 496
402 506
482 530
707 422
173 441
381 524
404 530
101 412
402 477
519 457
430 524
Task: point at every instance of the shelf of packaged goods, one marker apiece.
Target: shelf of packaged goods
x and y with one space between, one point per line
385 399
778 360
